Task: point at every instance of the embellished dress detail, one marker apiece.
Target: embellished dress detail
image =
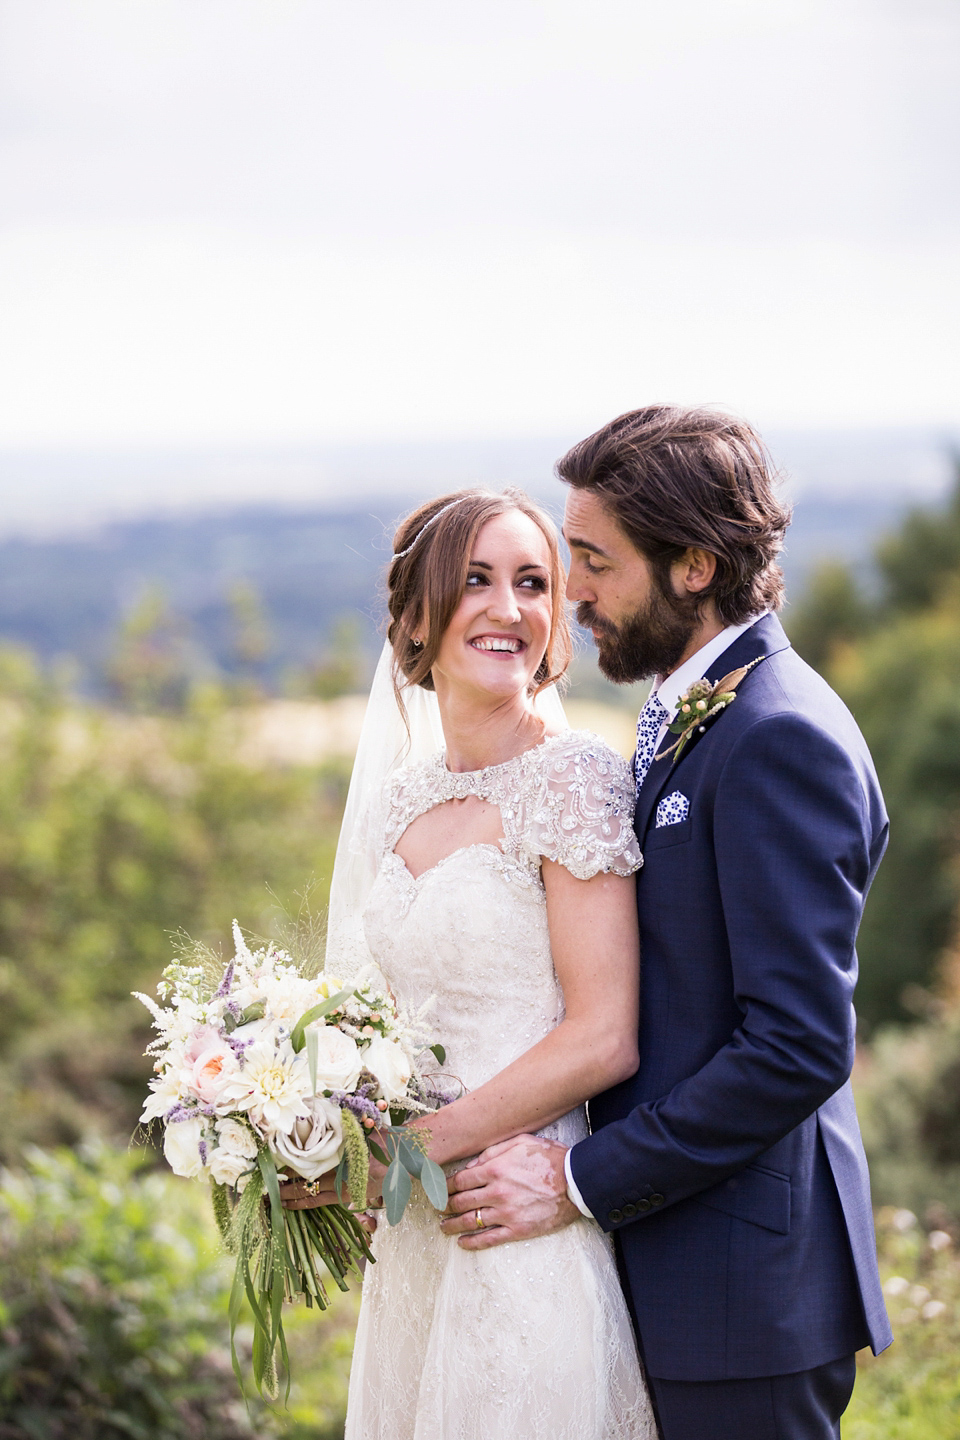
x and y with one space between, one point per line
529 1340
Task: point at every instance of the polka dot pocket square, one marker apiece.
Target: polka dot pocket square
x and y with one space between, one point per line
672 809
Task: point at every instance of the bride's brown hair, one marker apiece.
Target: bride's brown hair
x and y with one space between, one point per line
428 575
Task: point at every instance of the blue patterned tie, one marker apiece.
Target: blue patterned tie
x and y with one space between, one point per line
651 717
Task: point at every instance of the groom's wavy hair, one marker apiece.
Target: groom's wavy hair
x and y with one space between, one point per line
678 479
428 574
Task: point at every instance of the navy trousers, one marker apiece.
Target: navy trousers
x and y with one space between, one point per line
805 1406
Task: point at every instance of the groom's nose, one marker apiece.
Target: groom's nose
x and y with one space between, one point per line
577 590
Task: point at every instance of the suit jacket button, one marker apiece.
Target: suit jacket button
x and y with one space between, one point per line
656 1199
629 1211
615 1217
643 1206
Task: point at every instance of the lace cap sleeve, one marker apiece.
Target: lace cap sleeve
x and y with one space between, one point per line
579 812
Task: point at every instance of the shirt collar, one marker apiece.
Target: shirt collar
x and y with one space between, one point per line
670 689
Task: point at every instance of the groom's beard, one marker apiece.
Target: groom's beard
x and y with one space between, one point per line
650 642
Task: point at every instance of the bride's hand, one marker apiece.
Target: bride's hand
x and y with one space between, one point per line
298 1194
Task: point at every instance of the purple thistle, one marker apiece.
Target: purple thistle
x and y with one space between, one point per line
225 986
357 1104
181 1112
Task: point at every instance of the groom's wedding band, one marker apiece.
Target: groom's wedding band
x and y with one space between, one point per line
480 1224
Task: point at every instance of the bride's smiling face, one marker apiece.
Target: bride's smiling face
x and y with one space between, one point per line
499 632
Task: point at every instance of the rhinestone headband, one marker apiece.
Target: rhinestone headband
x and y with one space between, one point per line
425 527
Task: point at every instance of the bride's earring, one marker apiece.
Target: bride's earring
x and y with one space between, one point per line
417 644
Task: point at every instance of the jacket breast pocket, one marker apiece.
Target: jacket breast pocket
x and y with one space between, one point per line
660 839
756 1194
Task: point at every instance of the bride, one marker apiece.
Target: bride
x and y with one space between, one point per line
497 876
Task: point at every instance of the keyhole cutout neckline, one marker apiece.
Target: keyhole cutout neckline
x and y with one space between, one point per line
463 775
484 838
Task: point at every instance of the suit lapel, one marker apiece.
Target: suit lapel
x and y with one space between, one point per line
764 638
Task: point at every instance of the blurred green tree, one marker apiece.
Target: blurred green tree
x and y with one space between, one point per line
341 669
895 660
116 831
251 641
923 555
149 669
833 613
112 1305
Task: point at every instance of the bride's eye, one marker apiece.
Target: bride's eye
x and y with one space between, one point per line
535 582
475 579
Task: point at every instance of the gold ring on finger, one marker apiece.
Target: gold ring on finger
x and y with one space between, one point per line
480 1224
312 1187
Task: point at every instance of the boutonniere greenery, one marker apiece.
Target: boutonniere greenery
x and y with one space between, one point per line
701 703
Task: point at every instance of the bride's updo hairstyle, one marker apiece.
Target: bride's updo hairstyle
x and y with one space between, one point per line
428 576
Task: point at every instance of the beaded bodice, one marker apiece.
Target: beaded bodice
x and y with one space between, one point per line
471 931
532 1339
568 799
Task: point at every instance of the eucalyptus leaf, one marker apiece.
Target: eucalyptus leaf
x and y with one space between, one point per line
396 1191
434 1183
318 1012
409 1156
440 1053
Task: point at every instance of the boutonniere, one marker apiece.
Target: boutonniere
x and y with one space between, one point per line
701 702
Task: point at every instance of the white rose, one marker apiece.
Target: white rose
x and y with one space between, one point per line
181 1146
314 1145
339 1061
236 1139
386 1060
226 1166
288 997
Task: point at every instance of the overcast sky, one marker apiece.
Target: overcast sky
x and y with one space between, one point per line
292 221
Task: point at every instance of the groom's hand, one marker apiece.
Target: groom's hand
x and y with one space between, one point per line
517 1188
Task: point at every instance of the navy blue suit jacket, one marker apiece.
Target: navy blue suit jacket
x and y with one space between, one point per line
730 1166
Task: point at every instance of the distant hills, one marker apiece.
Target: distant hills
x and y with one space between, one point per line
305 584
270 564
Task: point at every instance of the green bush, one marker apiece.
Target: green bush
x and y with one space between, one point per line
894 657
116 831
912 1390
113 1314
907 1083
903 685
112 1303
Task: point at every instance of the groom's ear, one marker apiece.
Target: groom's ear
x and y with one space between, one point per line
694 571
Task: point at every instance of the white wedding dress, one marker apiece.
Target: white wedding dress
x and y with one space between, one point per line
529 1340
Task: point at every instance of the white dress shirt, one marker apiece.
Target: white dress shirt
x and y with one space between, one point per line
669 690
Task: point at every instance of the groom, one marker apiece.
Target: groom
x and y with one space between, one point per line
730 1168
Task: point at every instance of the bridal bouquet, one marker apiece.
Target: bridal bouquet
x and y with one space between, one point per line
264 1073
